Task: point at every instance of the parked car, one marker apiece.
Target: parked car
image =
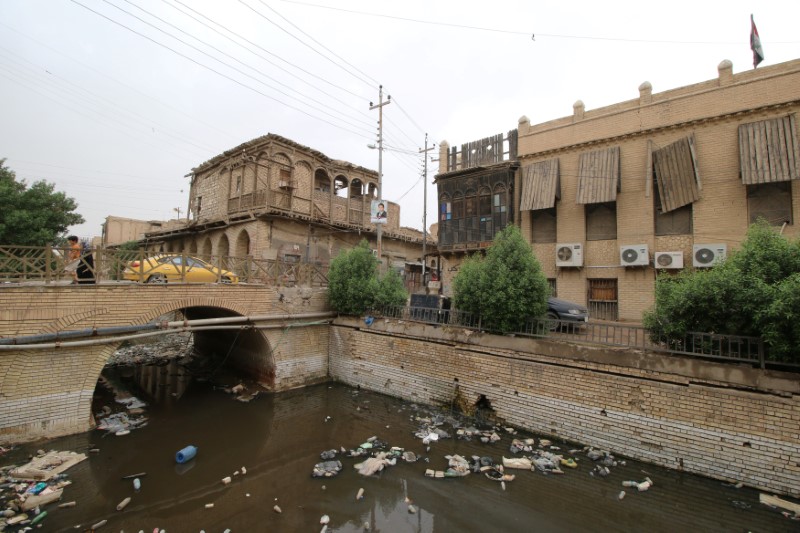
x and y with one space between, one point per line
566 311
176 268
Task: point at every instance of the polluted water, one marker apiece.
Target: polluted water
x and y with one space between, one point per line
396 466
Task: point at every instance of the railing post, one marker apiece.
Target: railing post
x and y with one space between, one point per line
761 361
48 257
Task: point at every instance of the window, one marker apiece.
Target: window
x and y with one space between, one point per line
678 221
445 209
553 287
237 191
291 258
603 304
198 205
485 214
770 201
601 221
543 225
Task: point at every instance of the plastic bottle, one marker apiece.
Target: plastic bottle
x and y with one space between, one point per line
186 454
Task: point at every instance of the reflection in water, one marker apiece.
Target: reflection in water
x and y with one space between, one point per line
278 439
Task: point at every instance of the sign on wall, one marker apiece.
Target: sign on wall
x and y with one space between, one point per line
378 212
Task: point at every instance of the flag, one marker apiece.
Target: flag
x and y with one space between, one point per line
755 43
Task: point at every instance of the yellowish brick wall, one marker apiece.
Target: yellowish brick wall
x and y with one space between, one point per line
711 112
715 420
46 393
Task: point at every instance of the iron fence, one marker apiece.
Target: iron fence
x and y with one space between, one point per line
729 348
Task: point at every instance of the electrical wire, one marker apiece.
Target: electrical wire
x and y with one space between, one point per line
223 63
217 72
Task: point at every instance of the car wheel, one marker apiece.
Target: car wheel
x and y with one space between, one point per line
553 323
156 278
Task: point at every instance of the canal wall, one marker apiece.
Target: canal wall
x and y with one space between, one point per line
725 421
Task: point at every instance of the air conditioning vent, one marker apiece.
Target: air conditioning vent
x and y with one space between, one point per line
669 260
569 255
708 255
634 255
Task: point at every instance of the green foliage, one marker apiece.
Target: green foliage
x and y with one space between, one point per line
353 280
506 287
35 215
391 291
754 293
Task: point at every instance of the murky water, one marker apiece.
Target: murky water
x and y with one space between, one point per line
278 439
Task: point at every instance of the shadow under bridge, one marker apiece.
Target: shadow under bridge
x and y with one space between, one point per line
225 338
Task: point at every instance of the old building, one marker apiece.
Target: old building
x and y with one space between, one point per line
273 199
610 197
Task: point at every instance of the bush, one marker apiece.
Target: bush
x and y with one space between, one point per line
506 287
354 286
753 293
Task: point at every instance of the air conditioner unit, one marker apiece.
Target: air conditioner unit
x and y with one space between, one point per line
669 260
708 255
569 254
284 184
634 255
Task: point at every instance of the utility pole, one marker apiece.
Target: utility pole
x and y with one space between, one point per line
425 208
379 107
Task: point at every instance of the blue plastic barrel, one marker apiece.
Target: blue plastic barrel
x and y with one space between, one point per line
186 454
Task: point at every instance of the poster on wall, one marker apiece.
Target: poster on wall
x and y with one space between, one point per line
378 212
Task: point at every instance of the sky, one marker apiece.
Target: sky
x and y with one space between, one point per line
115 101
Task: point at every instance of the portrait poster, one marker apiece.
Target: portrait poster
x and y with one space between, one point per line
378 212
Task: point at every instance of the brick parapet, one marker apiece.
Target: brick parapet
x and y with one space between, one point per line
730 423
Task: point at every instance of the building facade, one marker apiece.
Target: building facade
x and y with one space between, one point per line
276 200
612 197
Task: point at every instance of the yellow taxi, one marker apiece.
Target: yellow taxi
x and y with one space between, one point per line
176 268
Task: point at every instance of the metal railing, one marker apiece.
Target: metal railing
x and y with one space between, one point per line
30 264
729 348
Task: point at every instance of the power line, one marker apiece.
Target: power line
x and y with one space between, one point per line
324 111
234 80
514 32
168 106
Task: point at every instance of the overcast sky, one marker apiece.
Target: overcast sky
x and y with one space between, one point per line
115 101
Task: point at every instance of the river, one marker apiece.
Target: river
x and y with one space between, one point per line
269 445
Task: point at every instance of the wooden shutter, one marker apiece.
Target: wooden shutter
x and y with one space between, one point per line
768 151
598 176
540 185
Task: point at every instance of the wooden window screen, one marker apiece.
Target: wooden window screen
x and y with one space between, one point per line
603 299
676 175
540 185
598 176
768 151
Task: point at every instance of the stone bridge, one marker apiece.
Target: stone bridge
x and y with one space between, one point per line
55 340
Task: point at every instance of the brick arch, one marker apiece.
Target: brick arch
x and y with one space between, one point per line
242 245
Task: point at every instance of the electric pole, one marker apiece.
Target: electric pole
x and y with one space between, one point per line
425 208
379 107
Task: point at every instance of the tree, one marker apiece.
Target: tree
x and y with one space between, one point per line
354 286
506 287
754 293
35 215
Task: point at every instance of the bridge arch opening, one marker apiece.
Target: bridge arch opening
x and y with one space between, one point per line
243 349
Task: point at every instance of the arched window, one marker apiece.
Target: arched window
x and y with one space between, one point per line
322 182
340 186
470 216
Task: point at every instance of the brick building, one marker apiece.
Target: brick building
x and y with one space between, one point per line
273 199
610 197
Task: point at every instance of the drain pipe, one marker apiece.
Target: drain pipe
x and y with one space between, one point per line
167 327
187 329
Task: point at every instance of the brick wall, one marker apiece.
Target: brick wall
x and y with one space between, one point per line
725 422
47 393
